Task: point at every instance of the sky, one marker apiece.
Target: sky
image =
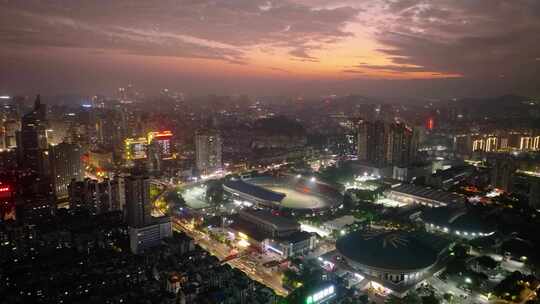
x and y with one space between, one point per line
434 48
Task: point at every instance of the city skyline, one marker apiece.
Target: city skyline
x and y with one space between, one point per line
292 47
270 151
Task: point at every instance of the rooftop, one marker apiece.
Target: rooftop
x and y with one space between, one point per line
254 190
429 193
453 172
394 250
249 229
296 237
341 222
268 217
459 219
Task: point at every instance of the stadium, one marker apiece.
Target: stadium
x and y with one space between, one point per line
284 193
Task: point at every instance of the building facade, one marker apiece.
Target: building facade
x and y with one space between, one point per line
381 143
141 238
208 146
32 140
138 204
65 165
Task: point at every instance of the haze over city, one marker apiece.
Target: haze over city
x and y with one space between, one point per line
270 151
292 47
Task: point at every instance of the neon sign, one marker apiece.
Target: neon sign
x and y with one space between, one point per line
321 295
163 134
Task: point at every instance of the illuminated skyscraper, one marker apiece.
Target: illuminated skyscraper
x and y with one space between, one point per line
373 142
163 140
135 148
65 164
208 151
383 144
11 127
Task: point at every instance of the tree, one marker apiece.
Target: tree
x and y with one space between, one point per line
460 251
412 298
448 297
510 287
392 299
290 278
487 262
456 266
214 192
430 299
363 299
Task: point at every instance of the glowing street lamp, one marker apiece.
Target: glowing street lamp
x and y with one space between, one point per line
313 179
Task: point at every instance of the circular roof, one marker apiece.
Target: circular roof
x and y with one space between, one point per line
388 250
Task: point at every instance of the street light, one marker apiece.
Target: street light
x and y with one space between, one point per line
299 176
468 280
313 179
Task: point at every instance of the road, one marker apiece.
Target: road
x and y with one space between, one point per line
257 272
463 296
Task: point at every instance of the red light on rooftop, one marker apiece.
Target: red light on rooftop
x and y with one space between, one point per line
4 189
430 123
164 134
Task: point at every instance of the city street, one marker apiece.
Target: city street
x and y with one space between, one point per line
256 272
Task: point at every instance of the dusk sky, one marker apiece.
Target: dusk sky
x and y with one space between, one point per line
302 47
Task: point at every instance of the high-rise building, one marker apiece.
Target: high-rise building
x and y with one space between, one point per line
109 128
32 140
35 207
383 144
403 145
502 173
118 186
7 202
527 184
135 148
534 193
208 151
138 204
65 165
83 195
149 235
153 162
11 127
95 196
163 141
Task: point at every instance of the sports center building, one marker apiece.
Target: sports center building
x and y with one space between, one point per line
390 262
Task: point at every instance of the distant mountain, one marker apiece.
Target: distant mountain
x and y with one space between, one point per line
493 102
343 103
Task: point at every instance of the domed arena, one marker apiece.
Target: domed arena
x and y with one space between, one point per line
395 258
